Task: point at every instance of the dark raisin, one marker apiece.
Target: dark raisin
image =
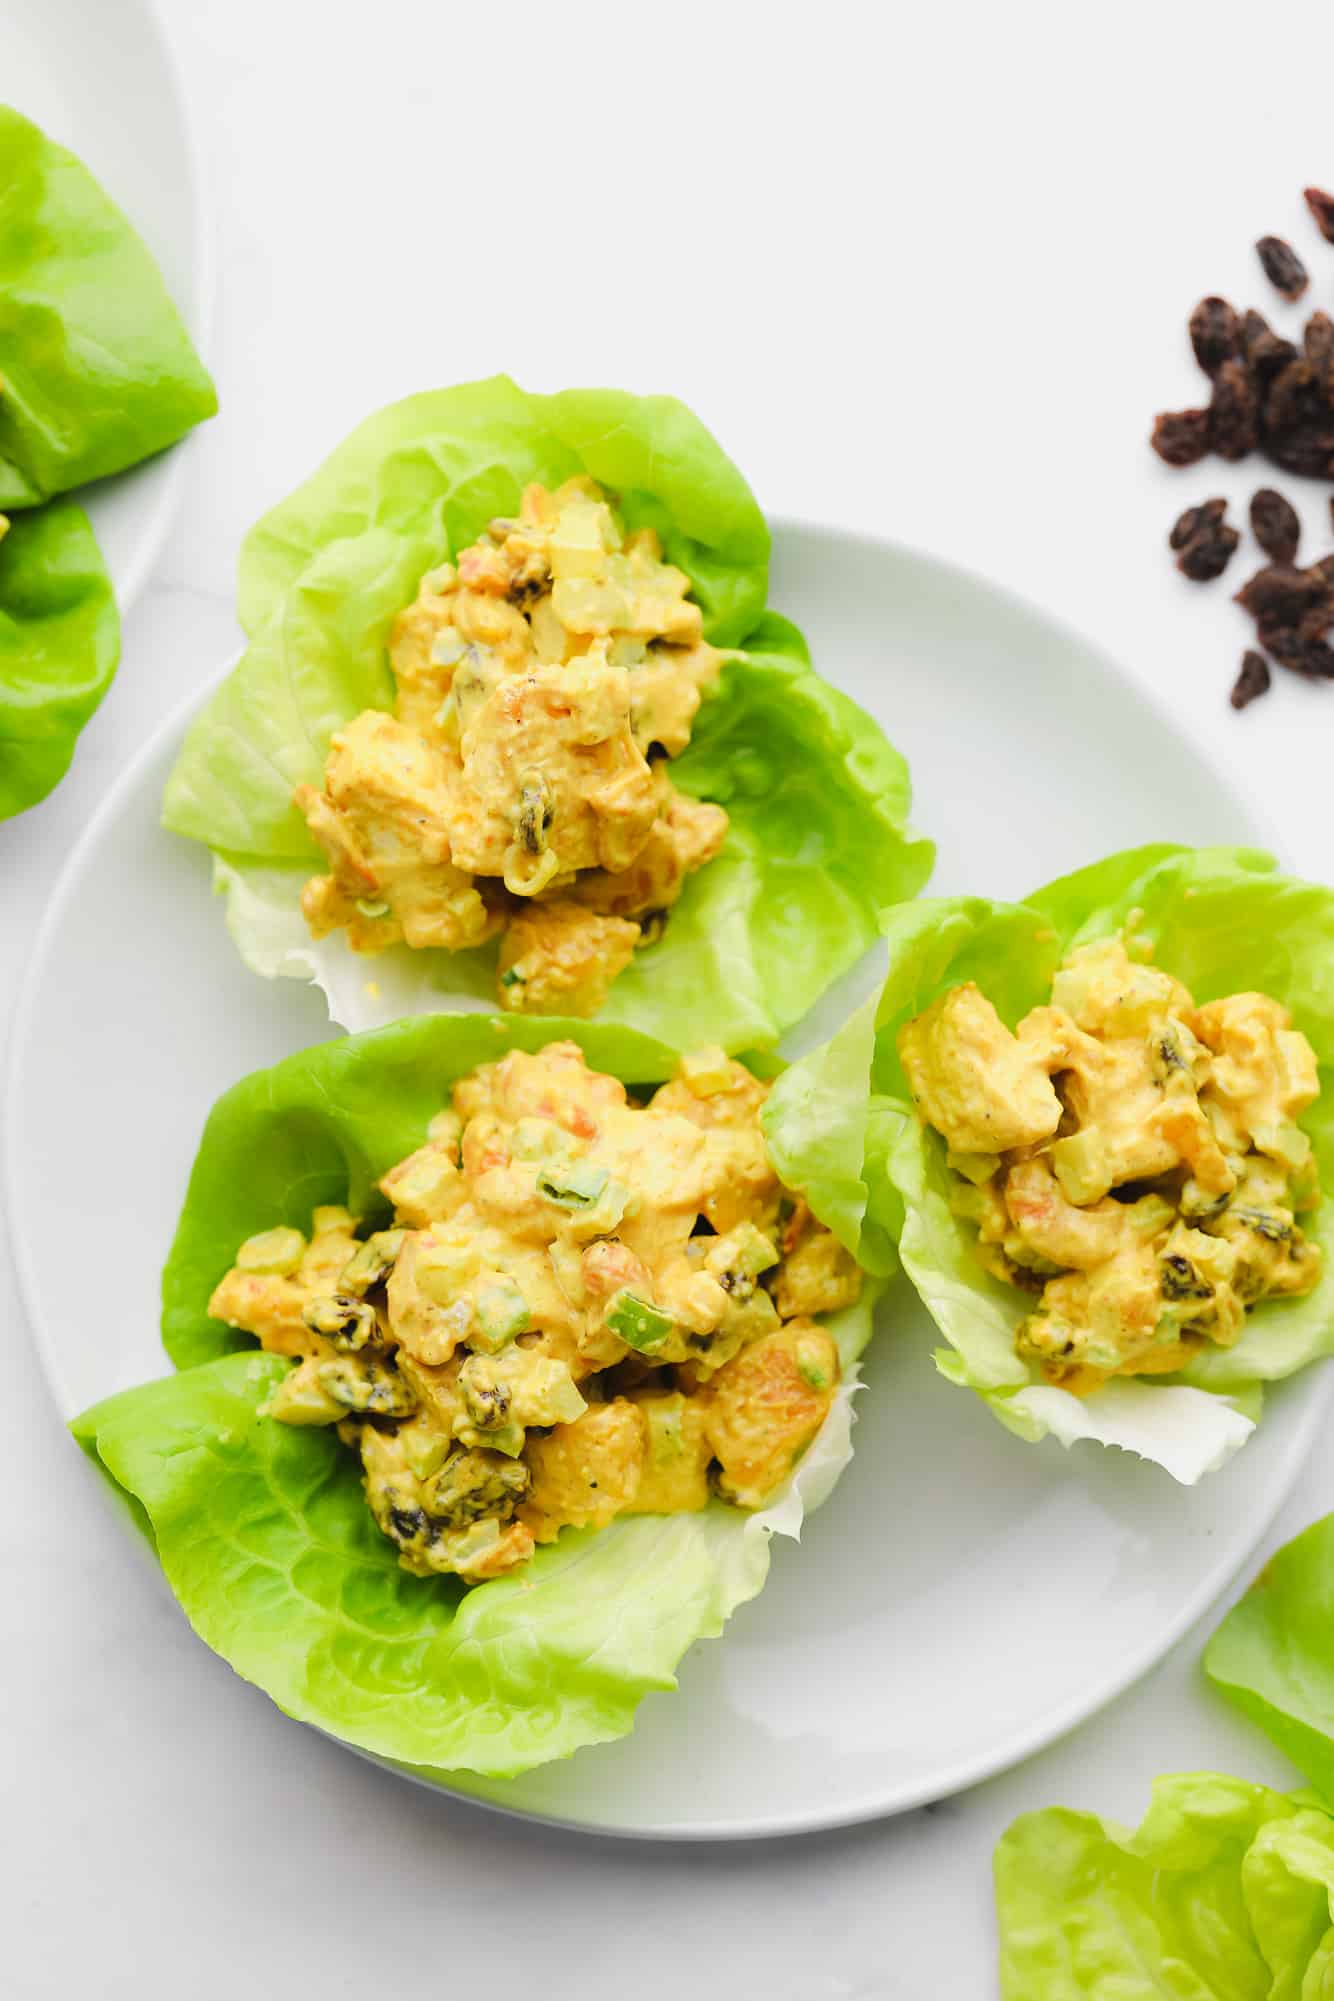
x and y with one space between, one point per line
1325 567
1209 554
1274 525
1281 594
1321 206
1282 266
1181 437
1265 351
1195 521
1310 454
1215 334
1294 650
1252 682
1318 345
1234 416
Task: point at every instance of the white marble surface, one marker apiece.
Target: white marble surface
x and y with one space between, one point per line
924 278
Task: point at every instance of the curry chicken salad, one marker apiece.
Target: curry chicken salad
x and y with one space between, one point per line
584 1307
543 683
1130 1159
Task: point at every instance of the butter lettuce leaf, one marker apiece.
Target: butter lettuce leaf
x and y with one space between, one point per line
1273 1655
263 1531
818 800
1224 921
97 368
59 644
1224 1893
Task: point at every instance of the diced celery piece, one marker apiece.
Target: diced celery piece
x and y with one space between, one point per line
277 1251
1080 1164
578 543
811 1363
975 1167
706 1072
638 1323
499 1314
576 1187
447 647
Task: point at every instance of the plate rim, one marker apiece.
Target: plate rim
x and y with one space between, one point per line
196 310
1313 1386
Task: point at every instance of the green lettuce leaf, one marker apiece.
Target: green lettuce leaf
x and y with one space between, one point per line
59 643
818 800
1223 921
262 1529
1224 1893
97 369
1274 1653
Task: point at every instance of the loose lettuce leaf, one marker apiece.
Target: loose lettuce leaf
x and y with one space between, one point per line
59 643
1223 921
97 369
263 1531
818 799
1224 1893
1274 1653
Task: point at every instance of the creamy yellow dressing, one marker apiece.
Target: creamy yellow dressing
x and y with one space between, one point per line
1130 1159
520 787
584 1307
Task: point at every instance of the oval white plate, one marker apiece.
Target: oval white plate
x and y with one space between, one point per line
963 1598
100 76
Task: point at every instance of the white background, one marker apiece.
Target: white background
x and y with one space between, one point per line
923 276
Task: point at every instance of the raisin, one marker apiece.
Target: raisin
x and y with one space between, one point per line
1321 206
1318 344
1274 525
1215 334
1181 437
1234 415
1298 419
1311 657
1265 351
1195 521
1252 682
1208 554
1281 594
1282 266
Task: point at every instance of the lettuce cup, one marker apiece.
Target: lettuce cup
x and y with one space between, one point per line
504 1348
1102 1136
514 728
97 372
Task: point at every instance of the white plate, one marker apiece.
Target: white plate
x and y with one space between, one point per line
963 1598
101 77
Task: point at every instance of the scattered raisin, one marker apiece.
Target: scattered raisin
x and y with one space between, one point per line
1318 345
1215 334
1180 437
1252 682
1281 593
1321 206
1208 554
1298 419
1195 521
1204 541
1274 525
1265 351
1234 412
1282 266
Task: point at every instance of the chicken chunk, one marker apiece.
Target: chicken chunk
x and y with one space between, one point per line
977 1084
560 958
765 1407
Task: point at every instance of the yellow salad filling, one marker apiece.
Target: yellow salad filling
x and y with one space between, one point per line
520 787
584 1307
1129 1159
